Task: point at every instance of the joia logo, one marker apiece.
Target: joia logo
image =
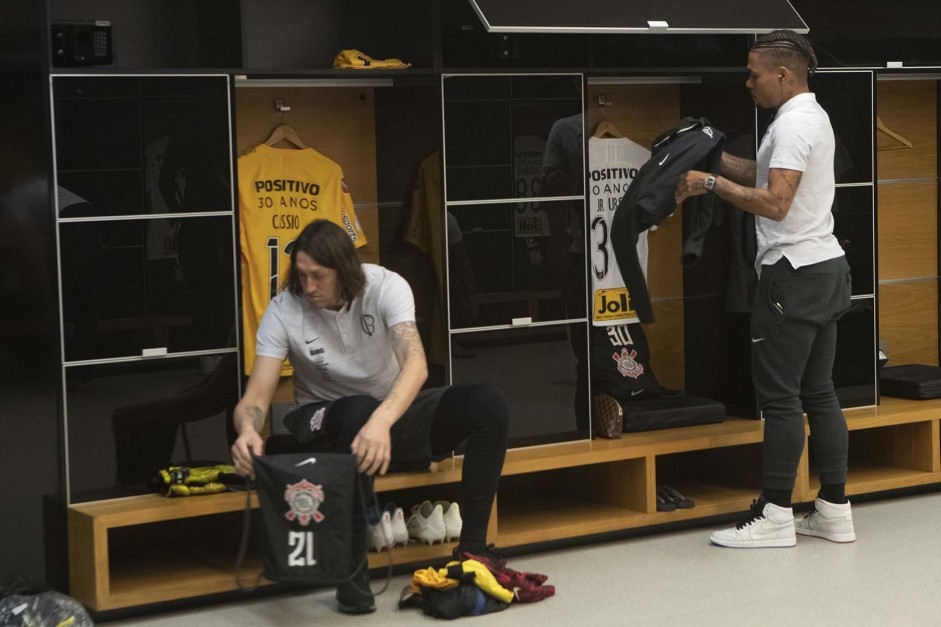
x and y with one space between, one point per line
708 131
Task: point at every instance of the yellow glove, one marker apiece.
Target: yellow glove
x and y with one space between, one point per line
184 475
430 578
212 487
483 578
356 60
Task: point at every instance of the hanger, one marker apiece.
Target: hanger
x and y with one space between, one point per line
286 133
901 143
607 129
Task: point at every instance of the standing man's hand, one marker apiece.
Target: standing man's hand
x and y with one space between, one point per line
372 447
248 446
691 184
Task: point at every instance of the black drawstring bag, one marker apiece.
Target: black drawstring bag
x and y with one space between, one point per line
307 502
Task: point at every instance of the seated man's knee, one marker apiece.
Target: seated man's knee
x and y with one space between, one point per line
489 404
347 415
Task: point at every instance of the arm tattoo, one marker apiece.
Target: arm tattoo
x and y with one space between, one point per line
790 192
406 344
405 341
741 171
791 186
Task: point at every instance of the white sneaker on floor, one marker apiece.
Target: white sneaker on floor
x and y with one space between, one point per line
831 521
426 524
452 520
380 534
768 525
399 530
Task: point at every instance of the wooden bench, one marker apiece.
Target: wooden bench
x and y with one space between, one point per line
146 549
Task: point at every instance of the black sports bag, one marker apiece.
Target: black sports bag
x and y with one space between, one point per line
307 502
915 381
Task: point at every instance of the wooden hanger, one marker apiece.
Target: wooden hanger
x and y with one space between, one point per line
286 133
607 129
900 143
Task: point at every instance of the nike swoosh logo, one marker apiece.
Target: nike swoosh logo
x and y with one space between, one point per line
664 159
755 340
313 340
309 460
636 392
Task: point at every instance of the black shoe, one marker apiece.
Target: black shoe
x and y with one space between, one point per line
489 553
355 596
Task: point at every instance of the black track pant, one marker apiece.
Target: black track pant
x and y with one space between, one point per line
793 335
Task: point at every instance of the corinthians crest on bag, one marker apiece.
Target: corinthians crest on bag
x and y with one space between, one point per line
307 503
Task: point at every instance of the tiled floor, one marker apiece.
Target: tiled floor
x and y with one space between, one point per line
890 576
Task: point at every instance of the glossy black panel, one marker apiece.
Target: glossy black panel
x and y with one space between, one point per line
514 260
847 98
535 368
479 182
479 133
97 133
107 192
143 145
208 88
126 421
547 86
513 136
853 227
121 292
854 371
478 88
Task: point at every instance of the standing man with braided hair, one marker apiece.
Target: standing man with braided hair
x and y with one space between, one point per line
803 289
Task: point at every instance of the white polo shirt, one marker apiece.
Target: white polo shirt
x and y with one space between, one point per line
800 138
339 353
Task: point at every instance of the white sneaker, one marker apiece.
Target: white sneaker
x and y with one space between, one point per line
768 526
380 534
426 524
399 530
832 521
452 520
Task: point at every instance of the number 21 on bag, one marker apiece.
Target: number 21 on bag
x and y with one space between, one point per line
302 553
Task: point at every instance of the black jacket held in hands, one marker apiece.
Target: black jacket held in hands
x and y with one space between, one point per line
693 144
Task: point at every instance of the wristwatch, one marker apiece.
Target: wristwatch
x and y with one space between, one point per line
710 183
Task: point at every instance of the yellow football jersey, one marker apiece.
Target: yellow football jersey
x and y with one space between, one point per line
281 190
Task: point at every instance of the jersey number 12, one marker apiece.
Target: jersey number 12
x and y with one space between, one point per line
274 268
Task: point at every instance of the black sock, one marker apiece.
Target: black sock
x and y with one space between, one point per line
781 498
833 493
